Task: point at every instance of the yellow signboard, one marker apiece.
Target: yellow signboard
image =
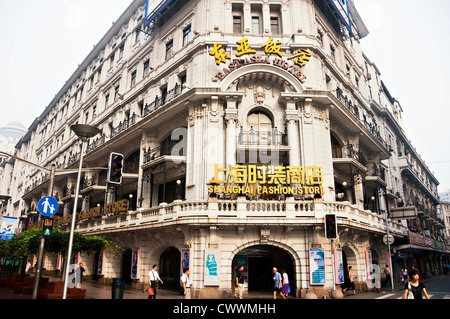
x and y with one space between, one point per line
267 179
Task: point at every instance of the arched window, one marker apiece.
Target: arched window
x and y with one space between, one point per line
260 121
259 128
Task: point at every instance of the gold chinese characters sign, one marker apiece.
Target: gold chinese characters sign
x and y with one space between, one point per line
111 208
267 179
300 58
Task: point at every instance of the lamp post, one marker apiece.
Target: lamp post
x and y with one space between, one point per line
84 132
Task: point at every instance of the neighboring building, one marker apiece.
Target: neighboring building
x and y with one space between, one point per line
445 196
242 124
445 211
10 135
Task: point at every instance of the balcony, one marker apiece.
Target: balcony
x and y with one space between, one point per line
239 212
166 97
350 116
90 184
123 125
407 168
253 140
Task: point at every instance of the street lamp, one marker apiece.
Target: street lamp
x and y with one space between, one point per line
178 190
84 132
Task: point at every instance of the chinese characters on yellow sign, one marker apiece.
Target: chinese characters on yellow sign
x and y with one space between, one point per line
270 47
269 179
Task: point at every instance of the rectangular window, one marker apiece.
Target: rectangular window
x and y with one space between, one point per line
80 93
141 108
163 95
146 67
116 92
255 25
111 61
121 49
320 36
169 47
106 99
99 73
86 118
186 35
183 79
237 24
274 25
91 82
133 78
138 35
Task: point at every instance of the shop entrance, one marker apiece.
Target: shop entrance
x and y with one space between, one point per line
258 262
169 267
126 266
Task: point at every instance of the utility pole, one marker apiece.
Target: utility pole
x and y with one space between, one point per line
42 243
388 243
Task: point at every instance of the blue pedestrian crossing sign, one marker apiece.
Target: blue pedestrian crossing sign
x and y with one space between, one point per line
48 206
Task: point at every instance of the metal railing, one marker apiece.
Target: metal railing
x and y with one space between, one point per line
254 137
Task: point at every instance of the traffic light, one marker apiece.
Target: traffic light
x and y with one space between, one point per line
47 226
115 168
330 226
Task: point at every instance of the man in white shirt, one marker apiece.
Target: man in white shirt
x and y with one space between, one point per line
186 284
153 277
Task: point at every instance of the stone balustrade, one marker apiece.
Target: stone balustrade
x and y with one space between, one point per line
289 212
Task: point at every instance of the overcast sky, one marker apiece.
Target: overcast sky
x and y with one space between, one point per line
42 43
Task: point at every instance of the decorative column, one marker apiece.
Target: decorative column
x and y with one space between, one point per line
292 130
293 140
231 118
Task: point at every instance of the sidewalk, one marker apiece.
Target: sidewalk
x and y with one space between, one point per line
97 291
398 287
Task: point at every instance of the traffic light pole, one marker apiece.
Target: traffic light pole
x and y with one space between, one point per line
42 243
333 264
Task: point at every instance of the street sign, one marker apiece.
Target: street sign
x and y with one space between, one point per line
48 206
391 239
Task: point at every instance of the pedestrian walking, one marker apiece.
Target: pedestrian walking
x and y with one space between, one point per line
240 280
277 284
349 282
414 289
405 275
153 278
387 272
285 288
186 285
28 266
79 273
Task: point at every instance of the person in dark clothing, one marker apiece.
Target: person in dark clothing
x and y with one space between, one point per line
240 282
417 288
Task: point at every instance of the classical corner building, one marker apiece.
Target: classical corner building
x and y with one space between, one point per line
242 125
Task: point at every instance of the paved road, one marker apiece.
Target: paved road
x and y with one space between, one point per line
437 288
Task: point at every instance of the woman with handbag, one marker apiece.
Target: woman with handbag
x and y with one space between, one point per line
415 289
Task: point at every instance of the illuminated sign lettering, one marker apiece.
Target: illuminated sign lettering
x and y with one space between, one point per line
270 47
267 179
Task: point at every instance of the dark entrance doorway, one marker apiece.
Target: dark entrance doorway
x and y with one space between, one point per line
126 266
258 262
169 267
